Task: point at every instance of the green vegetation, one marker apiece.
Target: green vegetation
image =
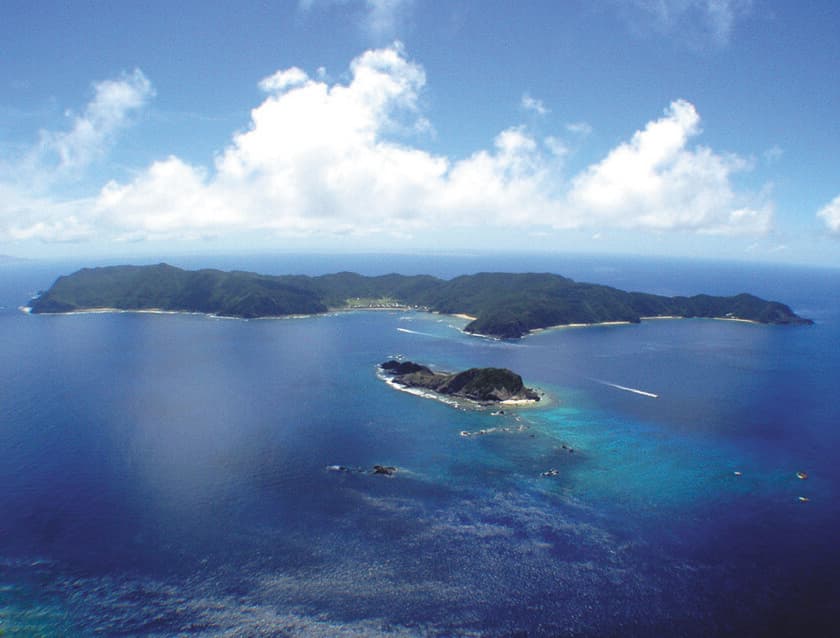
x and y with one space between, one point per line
163 287
505 305
477 384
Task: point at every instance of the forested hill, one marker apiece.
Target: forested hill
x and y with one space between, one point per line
504 305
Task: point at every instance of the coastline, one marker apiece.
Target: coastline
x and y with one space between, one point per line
629 323
579 325
140 311
536 331
211 315
395 308
428 394
736 319
160 311
462 403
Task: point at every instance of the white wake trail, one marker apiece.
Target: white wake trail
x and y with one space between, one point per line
626 389
415 332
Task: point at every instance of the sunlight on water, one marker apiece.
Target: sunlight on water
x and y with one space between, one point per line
179 474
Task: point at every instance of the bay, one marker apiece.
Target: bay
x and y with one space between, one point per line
168 474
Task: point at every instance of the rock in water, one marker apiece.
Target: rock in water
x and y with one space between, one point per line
387 470
486 385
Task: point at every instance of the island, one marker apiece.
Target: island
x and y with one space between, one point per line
482 385
499 305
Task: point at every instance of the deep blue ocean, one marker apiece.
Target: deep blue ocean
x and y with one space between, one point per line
166 475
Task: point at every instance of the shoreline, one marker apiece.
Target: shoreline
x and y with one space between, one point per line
375 308
628 323
332 311
536 331
147 311
210 315
735 319
463 403
580 325
160 311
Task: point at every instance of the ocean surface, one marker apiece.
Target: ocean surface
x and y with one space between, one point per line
168 475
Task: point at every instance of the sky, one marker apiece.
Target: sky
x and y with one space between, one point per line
691 128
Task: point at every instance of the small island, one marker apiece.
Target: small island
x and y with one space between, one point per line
480 385
498 305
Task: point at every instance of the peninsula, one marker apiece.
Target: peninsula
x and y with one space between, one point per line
501 305
484 385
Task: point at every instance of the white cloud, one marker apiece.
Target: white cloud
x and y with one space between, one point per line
25 216
93 131
171 198
321 158
556 146
313 160
830 214
655 182
532 104
28 210
283 80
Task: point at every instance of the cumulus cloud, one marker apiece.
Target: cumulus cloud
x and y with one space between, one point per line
323 158
314 159
283 79
830 214
654 181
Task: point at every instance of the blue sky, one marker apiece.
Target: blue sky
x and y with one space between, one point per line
699 128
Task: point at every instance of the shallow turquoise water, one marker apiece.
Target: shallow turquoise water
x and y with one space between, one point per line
166 475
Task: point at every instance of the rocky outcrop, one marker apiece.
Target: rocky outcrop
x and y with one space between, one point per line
486 385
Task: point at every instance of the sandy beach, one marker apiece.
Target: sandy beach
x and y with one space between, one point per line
578 325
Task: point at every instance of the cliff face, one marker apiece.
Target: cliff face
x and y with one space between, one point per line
477 384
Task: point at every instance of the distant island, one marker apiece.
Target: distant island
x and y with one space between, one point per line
501 305
484 385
